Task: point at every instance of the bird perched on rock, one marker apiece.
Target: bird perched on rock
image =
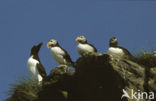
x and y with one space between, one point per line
84 46
114 49
154 53
59 54
34 65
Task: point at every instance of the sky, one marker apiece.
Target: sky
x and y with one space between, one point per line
24 23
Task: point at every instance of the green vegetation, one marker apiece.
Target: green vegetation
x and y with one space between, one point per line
25 90
147 59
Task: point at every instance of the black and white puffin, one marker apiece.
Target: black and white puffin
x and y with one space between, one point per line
35 67
114 49
84 46
59 54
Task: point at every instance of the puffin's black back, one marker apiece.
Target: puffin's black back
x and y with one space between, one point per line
95 50
67 57
125 51
86 42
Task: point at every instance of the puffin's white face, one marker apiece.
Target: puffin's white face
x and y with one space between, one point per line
51 43
114 41
81 39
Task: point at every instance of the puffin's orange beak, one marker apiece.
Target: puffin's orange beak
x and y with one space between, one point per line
48 46
76 40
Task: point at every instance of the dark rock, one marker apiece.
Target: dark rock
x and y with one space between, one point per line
97 78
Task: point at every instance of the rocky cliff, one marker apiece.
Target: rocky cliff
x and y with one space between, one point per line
97 78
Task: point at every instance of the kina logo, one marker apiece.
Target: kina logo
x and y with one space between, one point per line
137 95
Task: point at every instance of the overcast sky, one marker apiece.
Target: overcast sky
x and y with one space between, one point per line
24 23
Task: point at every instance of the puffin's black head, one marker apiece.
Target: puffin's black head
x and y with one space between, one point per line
52 43
35 49
81 39
113 42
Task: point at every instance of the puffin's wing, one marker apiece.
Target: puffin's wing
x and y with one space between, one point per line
67 56
95 50
126 51
41 70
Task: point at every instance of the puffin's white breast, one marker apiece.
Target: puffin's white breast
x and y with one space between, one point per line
32 67
154 53
116 51
57 53
81 48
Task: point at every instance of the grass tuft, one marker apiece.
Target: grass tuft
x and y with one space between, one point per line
25 89
147 59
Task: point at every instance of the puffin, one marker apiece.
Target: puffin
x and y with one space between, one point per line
59 54
83 46
35 67
114 49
